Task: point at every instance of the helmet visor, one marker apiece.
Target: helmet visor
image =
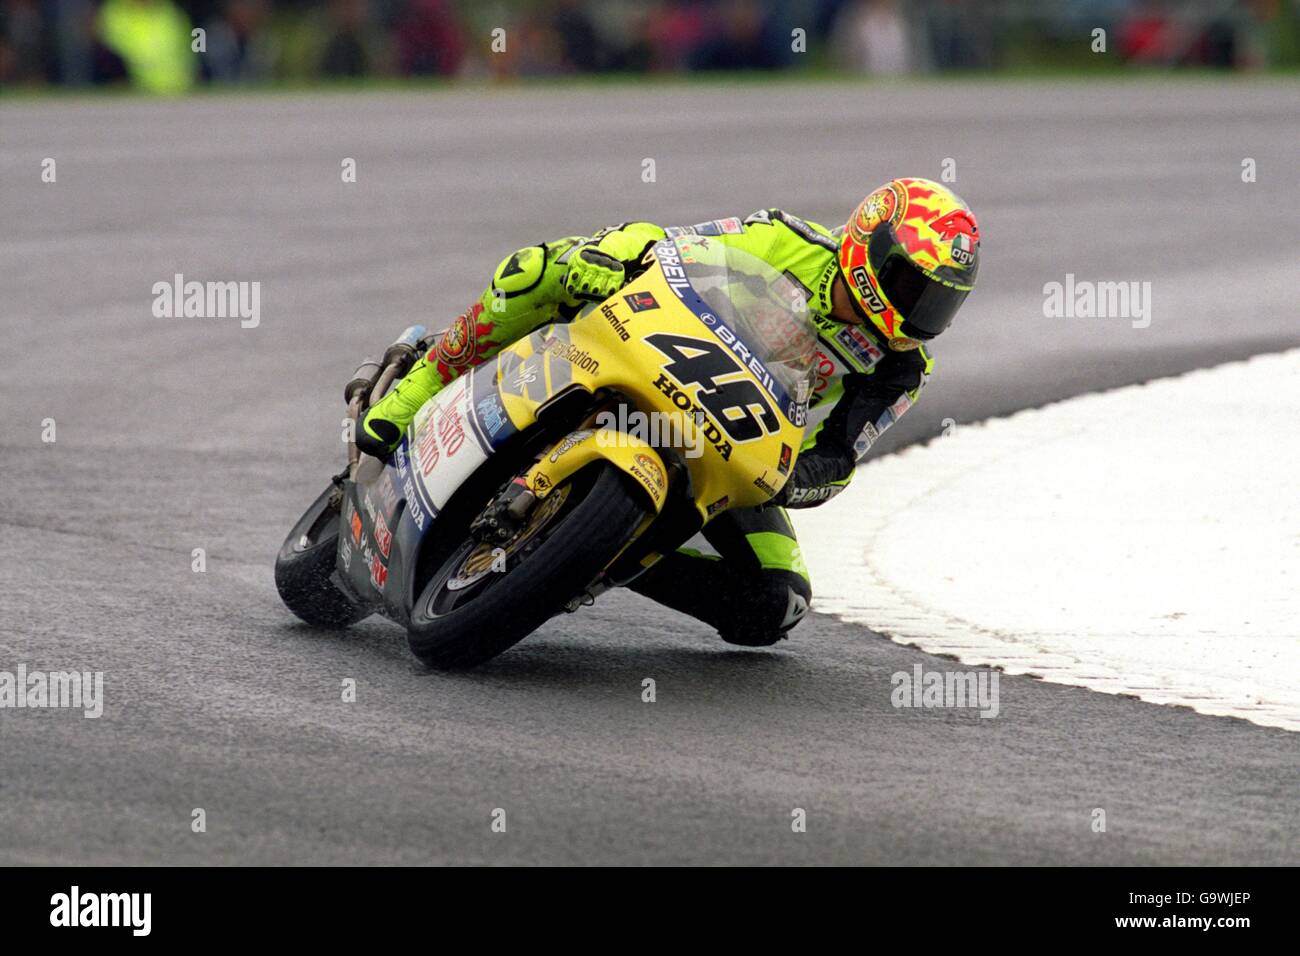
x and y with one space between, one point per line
925 304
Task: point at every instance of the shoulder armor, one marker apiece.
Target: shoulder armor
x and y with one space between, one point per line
520 271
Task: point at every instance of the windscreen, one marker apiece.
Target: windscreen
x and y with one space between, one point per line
757 312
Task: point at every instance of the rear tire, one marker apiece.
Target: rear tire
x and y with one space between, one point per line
305 566
580 541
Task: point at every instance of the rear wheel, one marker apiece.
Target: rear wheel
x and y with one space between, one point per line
304 567
481 600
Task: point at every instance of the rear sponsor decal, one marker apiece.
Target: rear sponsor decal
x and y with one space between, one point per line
378 573
413 506
387 492
383 537
417 506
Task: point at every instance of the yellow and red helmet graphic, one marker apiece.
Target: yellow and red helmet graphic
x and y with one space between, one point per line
935 228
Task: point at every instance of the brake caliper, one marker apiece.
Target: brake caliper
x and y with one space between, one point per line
503 519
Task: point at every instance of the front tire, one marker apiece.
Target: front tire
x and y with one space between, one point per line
304 567
578 542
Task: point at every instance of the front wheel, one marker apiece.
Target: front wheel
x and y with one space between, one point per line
480 601
304 568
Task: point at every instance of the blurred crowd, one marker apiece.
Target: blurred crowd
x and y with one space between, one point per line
172 45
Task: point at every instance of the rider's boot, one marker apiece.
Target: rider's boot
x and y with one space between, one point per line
458 348
526 288
382 428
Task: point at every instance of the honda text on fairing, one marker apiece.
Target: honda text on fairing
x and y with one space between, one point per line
510 497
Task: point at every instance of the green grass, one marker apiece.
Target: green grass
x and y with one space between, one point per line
1025 73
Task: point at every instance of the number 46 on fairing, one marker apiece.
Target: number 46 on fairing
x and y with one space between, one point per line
739 406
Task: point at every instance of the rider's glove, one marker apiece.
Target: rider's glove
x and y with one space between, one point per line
819 475
593 276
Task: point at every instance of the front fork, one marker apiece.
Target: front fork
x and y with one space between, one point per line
507 515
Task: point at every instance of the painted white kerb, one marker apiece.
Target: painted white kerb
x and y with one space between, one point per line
1142 541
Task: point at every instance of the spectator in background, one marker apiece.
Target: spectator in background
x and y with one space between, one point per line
558 37
353 47
429 38
674 31
737 38
1277 37
85 41
1148 35
22 43
240 49
872 37
961 34
152 37
580 43
533 48
1231 36
72 23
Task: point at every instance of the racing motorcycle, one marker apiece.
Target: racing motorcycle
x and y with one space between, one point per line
567 464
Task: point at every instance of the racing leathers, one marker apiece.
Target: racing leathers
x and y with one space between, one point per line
744 573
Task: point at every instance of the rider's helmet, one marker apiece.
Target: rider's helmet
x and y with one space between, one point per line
909 255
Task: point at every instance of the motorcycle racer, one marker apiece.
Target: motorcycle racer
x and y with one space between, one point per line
878 289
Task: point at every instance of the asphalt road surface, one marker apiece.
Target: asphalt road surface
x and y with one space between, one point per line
175 434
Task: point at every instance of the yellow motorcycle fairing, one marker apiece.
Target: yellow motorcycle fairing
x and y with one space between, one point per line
580 448
646 344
